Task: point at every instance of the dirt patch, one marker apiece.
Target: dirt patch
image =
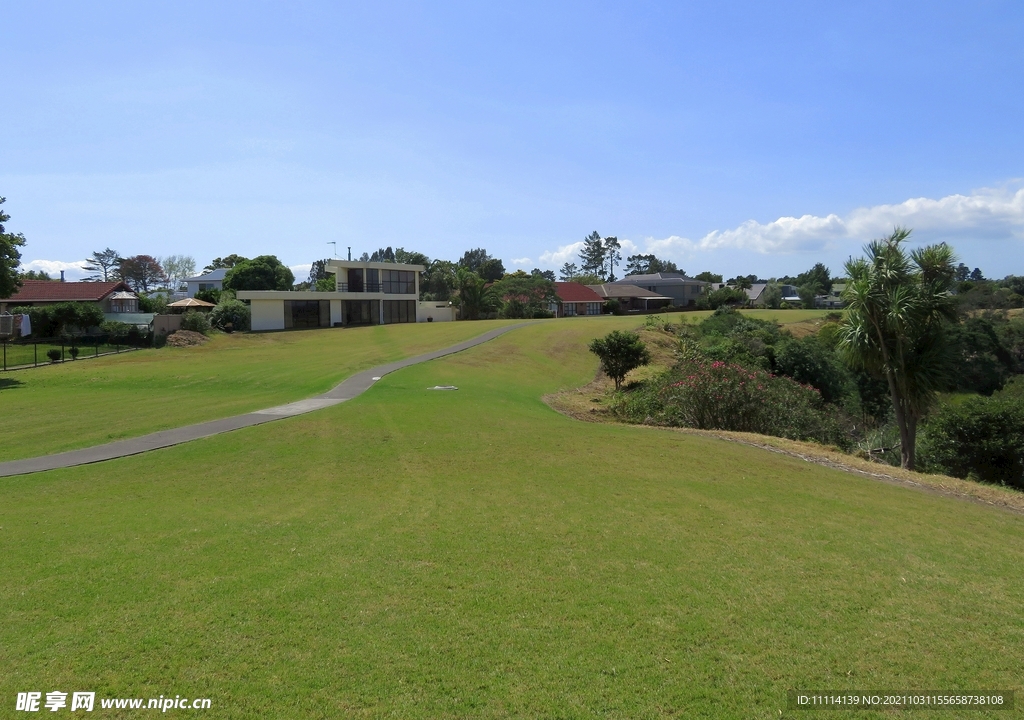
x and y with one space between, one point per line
186 338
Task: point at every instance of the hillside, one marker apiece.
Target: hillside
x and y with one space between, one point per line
474 553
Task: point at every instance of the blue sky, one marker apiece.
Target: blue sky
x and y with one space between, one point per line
733 137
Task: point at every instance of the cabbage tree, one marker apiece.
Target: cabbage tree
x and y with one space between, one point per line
896 305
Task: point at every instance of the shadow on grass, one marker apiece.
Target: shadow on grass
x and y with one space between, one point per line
9 383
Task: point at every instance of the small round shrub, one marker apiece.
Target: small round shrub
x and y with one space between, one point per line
231 315
196 322
73 351
53 354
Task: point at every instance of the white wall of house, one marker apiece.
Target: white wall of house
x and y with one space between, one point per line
436 310
269 314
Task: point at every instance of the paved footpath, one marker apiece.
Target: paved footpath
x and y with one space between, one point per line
350 388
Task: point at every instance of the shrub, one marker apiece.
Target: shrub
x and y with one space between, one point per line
231 315
196 322
612 307
73 352
53 354
213 295
620 352
715 395
115 329
723 296
981 437
808 361
155 303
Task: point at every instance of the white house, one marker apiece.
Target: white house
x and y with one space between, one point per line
366 293
213 280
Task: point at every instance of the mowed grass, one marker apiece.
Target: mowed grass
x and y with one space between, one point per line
78 404
471 553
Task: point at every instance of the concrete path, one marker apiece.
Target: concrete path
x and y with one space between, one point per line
350 388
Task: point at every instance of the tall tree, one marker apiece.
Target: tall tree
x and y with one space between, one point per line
411 257
265 272
639 264
568 272
592 256
612 251
893 328
664 266
177 268
228 261
492 270
648 264
103 265
818 277
34 275
548 274
523 295
474 259
708 276
772 296
439 280
142 272
383 255
10 256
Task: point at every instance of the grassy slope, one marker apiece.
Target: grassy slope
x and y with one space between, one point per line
52 409
473 553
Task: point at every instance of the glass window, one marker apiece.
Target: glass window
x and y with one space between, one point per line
399 311
399 282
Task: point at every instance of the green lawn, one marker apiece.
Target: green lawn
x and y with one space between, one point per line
423 554
77 404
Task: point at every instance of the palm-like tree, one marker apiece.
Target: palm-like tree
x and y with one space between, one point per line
893 327
474 295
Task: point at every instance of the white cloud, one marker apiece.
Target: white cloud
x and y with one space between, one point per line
72 270
301 272
522 261
564 254
989 212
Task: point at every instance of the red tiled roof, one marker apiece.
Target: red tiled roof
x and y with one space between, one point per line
53 291
574 292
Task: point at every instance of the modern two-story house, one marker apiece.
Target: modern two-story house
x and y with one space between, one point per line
683 290
366 293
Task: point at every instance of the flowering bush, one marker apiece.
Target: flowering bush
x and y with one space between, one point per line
716 395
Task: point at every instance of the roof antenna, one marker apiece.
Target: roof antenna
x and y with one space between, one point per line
335 244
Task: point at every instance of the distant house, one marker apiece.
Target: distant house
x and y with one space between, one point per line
366 293
575 299
213 280
755 293
112 297
683 290
631 298
832 301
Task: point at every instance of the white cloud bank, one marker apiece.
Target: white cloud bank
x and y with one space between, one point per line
522 261
72 270
571 253
987 213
